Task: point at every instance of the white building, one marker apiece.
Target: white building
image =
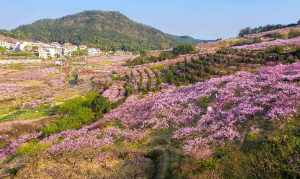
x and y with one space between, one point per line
6 45
50 51
7 42
21 46
68 49
93 52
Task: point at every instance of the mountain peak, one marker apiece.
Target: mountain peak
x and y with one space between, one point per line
104 29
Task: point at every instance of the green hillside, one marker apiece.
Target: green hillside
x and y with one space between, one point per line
104 29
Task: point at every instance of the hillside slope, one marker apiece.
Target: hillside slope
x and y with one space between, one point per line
182 133
104 29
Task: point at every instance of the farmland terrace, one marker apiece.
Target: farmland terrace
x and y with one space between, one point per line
27 90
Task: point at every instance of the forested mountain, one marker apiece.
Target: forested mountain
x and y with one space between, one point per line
104 29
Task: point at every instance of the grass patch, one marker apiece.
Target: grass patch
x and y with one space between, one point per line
31 148
25 114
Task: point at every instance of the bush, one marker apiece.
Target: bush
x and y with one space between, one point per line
179 50
169 75
297 53
128 90
274 154
293 34
203 102
74 78
277 49
166 55
2 50
97 103
183 49
276 36
142 60
77 112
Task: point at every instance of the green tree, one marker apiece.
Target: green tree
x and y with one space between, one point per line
183 49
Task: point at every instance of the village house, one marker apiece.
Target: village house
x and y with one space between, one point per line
54 50
58 48
46 52
68 49
21 46
43 50
6 42
93 52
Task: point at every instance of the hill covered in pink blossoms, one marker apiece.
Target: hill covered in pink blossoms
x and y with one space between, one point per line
189 122
202 114
211 111
278 42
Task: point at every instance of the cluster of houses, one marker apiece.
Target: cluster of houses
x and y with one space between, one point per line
44 50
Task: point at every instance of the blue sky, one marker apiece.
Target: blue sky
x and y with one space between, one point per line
205 19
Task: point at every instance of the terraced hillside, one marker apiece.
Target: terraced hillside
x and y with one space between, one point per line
196 131
278 42
144 79
197 115
194 68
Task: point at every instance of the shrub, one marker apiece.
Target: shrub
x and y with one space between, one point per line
74 78
116 77
149 80
77 112
293 34
276 35
246 41
203 102
183 49
169 76
166 55
141 81
2 50
142 60
263 155
278 50
31 148
128 90
97 103
297 53
158 79
13 171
